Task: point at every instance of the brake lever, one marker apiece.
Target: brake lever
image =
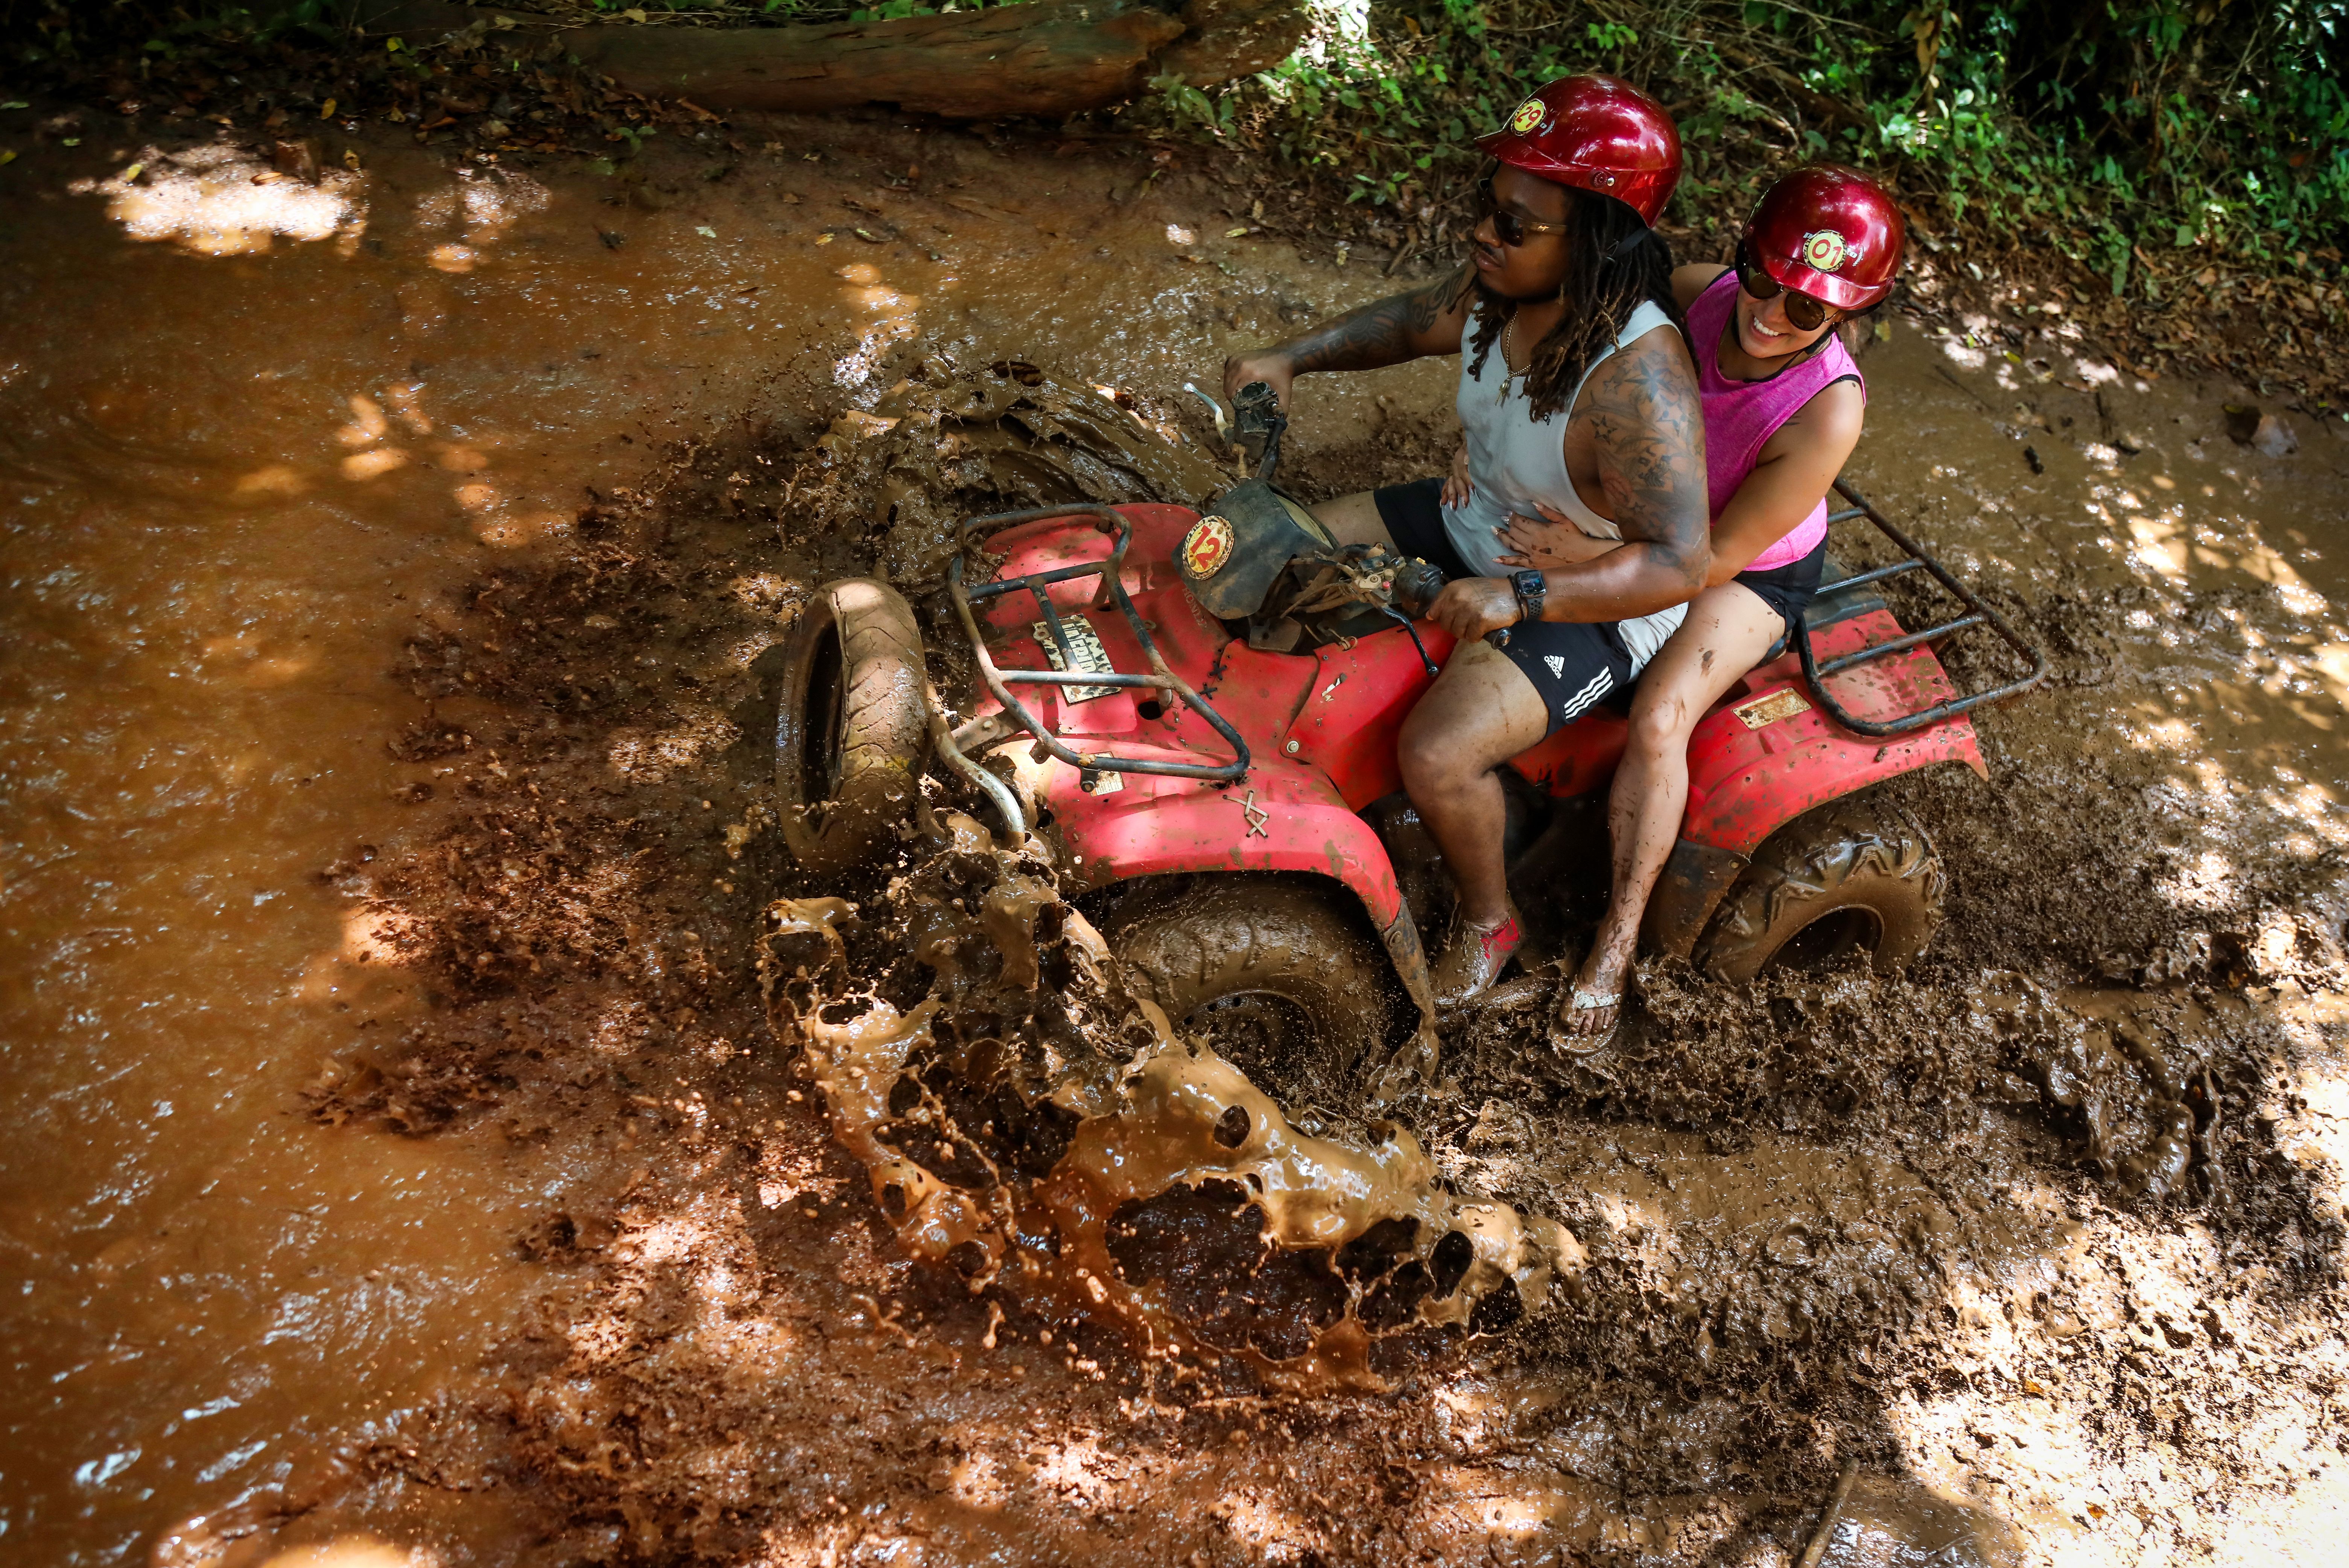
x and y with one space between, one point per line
1416 583
1223 424
1426 663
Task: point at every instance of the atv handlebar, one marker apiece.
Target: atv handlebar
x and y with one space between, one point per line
1257 425
1416 583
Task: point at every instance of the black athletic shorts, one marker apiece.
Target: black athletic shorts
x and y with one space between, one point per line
1788 589
1574 665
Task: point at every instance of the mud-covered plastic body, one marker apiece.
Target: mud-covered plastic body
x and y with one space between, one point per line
1321 726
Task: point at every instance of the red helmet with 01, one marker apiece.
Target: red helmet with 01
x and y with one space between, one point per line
1829 232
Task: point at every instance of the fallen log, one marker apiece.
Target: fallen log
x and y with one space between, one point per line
1044 58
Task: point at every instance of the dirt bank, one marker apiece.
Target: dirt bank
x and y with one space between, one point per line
2044 1234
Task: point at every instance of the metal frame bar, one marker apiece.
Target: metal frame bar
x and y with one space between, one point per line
1000 681
1978 614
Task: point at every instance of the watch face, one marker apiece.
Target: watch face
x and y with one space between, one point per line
1532 590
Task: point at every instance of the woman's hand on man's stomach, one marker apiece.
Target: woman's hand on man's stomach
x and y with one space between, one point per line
1456 487
1549 541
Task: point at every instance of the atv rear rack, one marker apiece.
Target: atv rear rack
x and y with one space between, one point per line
1112 592
1978 613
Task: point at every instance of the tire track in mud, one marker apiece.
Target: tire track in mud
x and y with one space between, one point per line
1940 1224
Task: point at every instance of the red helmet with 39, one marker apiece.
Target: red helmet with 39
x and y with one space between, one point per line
1829 232
1597 133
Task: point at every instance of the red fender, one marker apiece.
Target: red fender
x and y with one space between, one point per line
1279 819
1768 753
1282 817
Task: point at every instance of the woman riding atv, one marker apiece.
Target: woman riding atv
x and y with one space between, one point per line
1574 403
1783 406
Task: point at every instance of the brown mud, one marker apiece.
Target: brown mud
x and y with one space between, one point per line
513 1230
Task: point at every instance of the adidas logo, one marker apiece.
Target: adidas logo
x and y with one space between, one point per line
1597 687
1556 663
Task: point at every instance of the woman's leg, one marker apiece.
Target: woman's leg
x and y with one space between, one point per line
1727 631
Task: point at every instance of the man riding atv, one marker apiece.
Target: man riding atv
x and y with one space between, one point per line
1574 403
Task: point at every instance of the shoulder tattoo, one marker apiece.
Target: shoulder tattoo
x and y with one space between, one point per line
1649 434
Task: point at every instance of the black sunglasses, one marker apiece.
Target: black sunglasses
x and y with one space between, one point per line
1510 229
1804 313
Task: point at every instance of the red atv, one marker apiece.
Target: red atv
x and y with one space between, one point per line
1205 709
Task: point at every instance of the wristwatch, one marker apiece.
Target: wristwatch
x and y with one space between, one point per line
1533 591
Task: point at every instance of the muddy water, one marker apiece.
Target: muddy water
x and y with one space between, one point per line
254 434
240 423
236 479
2063 477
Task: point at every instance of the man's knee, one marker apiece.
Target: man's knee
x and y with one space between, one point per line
1431 751
1424 756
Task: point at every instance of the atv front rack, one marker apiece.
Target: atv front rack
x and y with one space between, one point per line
1978 613
1112 592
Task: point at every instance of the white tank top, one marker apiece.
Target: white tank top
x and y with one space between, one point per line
1516 460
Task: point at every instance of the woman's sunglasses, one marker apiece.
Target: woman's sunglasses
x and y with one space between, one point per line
1804 313
1510 229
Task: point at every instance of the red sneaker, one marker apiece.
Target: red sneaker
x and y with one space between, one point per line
1476 958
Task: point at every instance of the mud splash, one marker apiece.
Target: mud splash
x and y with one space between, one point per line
1029 1122
947 442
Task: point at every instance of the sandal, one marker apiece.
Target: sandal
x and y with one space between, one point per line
1584 1001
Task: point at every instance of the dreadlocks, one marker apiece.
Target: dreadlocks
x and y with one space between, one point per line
1613 263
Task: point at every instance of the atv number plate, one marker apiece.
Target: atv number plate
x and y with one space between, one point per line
1093 659
1783 703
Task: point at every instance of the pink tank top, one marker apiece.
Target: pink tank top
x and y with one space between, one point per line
1740 416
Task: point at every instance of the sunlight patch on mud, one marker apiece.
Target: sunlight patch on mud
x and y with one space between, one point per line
512 530
765 592
892 317
373 464
483 204
272 479
744 653
649 758
356 1552
222 201
367 424
378 934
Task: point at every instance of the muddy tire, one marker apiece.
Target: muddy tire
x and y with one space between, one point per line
1850 876
849 726
1280 974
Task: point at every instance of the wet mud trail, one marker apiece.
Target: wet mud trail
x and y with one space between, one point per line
430 1126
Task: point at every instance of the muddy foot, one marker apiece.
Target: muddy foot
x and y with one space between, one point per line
1590 1015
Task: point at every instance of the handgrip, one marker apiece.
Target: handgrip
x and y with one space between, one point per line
1256 426
1416 583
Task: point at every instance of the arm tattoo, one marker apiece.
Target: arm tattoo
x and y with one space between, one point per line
1384 332
1649 433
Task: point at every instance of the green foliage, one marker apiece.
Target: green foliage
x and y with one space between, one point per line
2106 127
